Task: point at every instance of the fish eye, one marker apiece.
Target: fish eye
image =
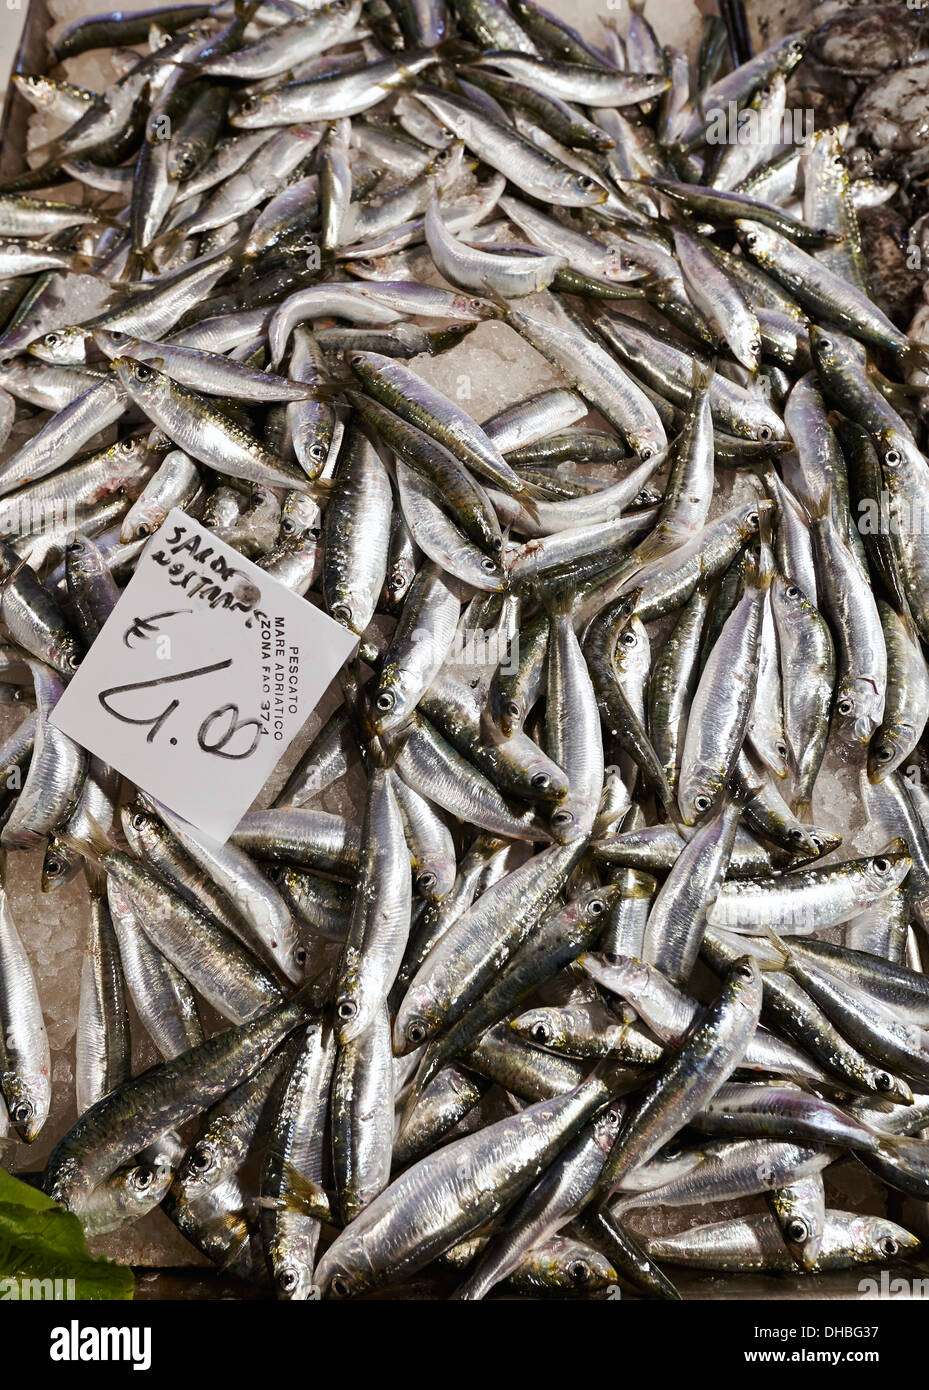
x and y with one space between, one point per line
562 818
780 748
488 564
202 1158
53 867
882 865
416 1031
341 612
137 820
119 335
797 1230
744 972
356 360
845 707
892 458
883 1081
385 701
6 362
142 372
752 520
888 1247
300 955
540 1032
142 530
22 1112
541 781
585 182
126 446
792 591
646 452
143 1179
288 1278
826 344
427 881
764 432
288 526
347 1010
701 803
629 639
513 710
74 660
579 1272
596 908
341 1285
797 834
249 105
751 238
52 340
318 451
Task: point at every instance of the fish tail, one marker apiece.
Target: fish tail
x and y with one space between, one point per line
94 846
780 946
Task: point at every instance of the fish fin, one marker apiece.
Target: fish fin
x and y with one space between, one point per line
497 299
96 879
303 1195
916 355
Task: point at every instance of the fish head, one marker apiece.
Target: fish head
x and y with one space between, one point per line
27 1102
507 709
292 1259
143 382
572 819
626 976
898 453
395 696
632 653
142 1186
888 747
417 1022
543 1027
744 984
887 870
113 342
698 792
61 346
344 1271
59 866
803 1236
876 1238
566 1266
207 1160
434 874
141 829
253 111
578 190
859 708
182 161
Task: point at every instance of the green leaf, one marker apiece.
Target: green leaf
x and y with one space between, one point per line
39 1240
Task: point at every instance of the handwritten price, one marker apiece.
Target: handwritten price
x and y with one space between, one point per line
156 722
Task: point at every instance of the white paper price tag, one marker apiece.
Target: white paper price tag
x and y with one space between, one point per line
201 677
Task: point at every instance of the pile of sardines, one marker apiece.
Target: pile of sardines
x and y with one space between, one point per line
585 950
